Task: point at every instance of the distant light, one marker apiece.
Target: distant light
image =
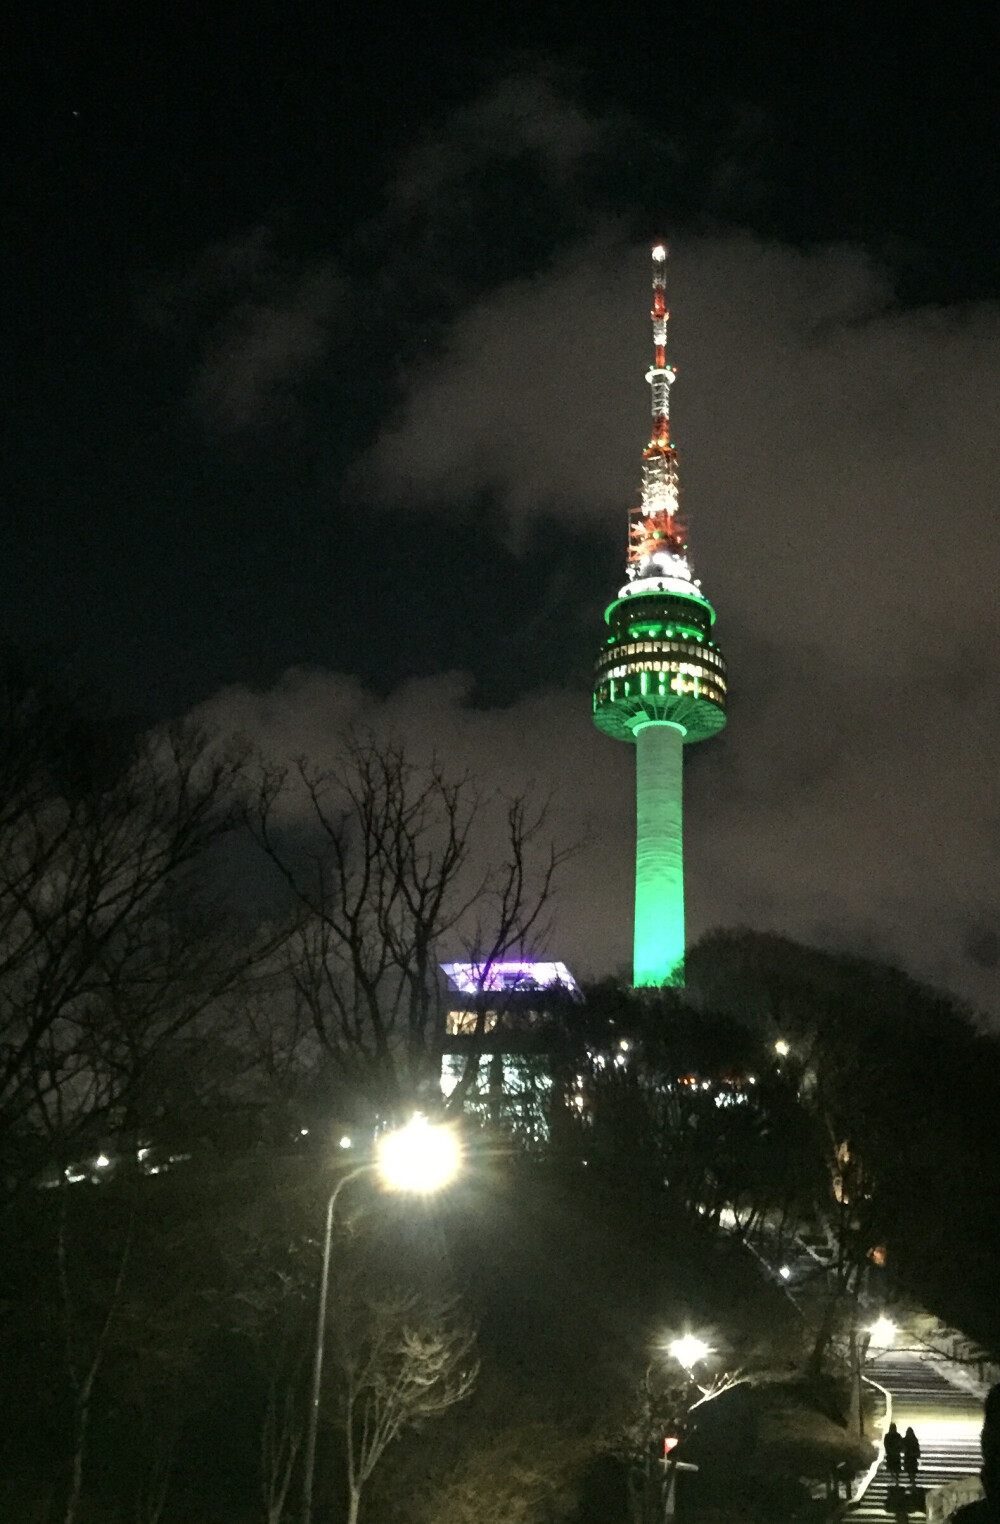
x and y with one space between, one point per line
781 1048
689 1350
472 978
303 1132
752 1079
785 1273
659 252
345 1141
423 1156
624 1044
102 1161
883 1331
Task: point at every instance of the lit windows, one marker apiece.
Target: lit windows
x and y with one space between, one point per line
463 1023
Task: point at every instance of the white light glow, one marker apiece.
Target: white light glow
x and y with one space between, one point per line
345 1141
785 1273
102 1161
658 584
781 1048
667 564
423 1156
689 1350
883 1331
659 252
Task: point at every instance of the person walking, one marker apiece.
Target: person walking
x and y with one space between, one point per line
892 1444
911 1457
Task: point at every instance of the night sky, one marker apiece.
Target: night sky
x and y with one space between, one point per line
323 402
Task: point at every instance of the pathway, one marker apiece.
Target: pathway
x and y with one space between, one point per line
946 1419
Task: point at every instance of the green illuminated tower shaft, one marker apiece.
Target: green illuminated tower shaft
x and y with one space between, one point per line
659 851
660 681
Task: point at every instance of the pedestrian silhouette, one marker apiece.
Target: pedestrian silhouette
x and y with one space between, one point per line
987 1510
911 1456
892 1444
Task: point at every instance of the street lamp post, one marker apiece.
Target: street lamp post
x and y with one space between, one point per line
419 1158
879 1337
317 1375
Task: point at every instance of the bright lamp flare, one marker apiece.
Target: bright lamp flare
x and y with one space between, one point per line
689 1350
883 1331
423 1156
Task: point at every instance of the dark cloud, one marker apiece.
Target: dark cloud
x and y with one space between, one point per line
257 320
522 113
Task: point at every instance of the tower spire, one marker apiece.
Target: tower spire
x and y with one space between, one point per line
661 376
656 539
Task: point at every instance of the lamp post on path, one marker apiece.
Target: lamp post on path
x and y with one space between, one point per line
421 1158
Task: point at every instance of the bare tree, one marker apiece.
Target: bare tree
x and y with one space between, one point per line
160 1433
394 865
662 1407
281 1438
85 1355
401 1360
519 1470
104 959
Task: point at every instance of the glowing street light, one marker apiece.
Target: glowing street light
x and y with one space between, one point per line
421 1157
689 1350
882 1332
782 1048
785 1272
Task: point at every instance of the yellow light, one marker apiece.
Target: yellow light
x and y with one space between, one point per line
781 1048
423 1156
688 1350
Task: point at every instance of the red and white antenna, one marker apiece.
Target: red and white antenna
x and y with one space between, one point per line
661 375
656 541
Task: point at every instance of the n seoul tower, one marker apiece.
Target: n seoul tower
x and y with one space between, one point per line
660 681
